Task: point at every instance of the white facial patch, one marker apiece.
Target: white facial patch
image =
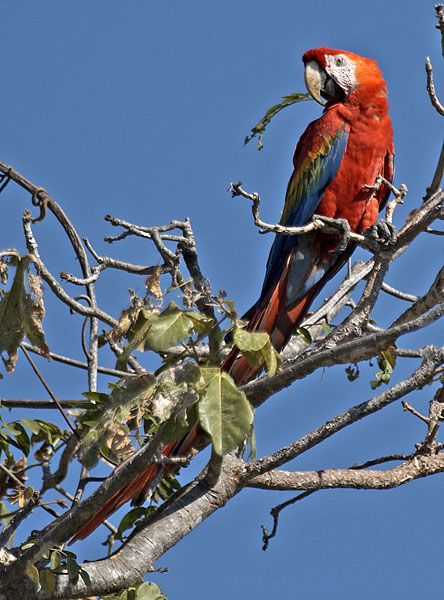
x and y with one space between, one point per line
343 70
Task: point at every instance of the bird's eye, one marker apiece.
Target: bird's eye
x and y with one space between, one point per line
339 61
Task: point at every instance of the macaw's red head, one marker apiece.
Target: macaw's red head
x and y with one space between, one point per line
339 76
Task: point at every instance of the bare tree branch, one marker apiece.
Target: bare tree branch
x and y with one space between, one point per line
417 467
440 25
72 362
55 286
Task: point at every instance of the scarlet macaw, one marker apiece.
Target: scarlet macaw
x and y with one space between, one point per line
337 156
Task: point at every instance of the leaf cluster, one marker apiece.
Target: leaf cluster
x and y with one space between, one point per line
60 562
183 390
143 591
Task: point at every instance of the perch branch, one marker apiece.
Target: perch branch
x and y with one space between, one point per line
334 226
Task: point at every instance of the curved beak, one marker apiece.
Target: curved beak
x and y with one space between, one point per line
315 78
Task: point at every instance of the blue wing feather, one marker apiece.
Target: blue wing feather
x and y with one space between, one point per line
305 189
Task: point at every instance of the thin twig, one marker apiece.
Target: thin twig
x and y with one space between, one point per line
4 180
408 353
440 25
158 236
43 404
437 178
276 510
19 516
434 231
334 226
431 88
41 198
48 389
72 499
51 480
408 407
399 194
11 475
430 299
72 362
53 283
381 460
388 289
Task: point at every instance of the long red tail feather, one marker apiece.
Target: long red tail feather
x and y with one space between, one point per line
139 487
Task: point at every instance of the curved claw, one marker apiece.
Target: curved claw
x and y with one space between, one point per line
382 232
340 227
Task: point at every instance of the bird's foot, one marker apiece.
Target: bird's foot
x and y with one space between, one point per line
340 227
383 233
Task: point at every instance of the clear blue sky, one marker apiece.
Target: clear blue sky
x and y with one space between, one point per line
139 109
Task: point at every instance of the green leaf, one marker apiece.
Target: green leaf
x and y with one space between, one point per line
4 511
34 426
43 431
29 493
273 362
5 440
175 428
48 432
47 581
172 326
224 411
166 487
85 576
33 574
56 559
149 591
251 344
73 570
386 362
257 349
306 335
259 129
253 445
130 519
157 332
21 437
96 397
326 327
201 323
136 335
90 454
